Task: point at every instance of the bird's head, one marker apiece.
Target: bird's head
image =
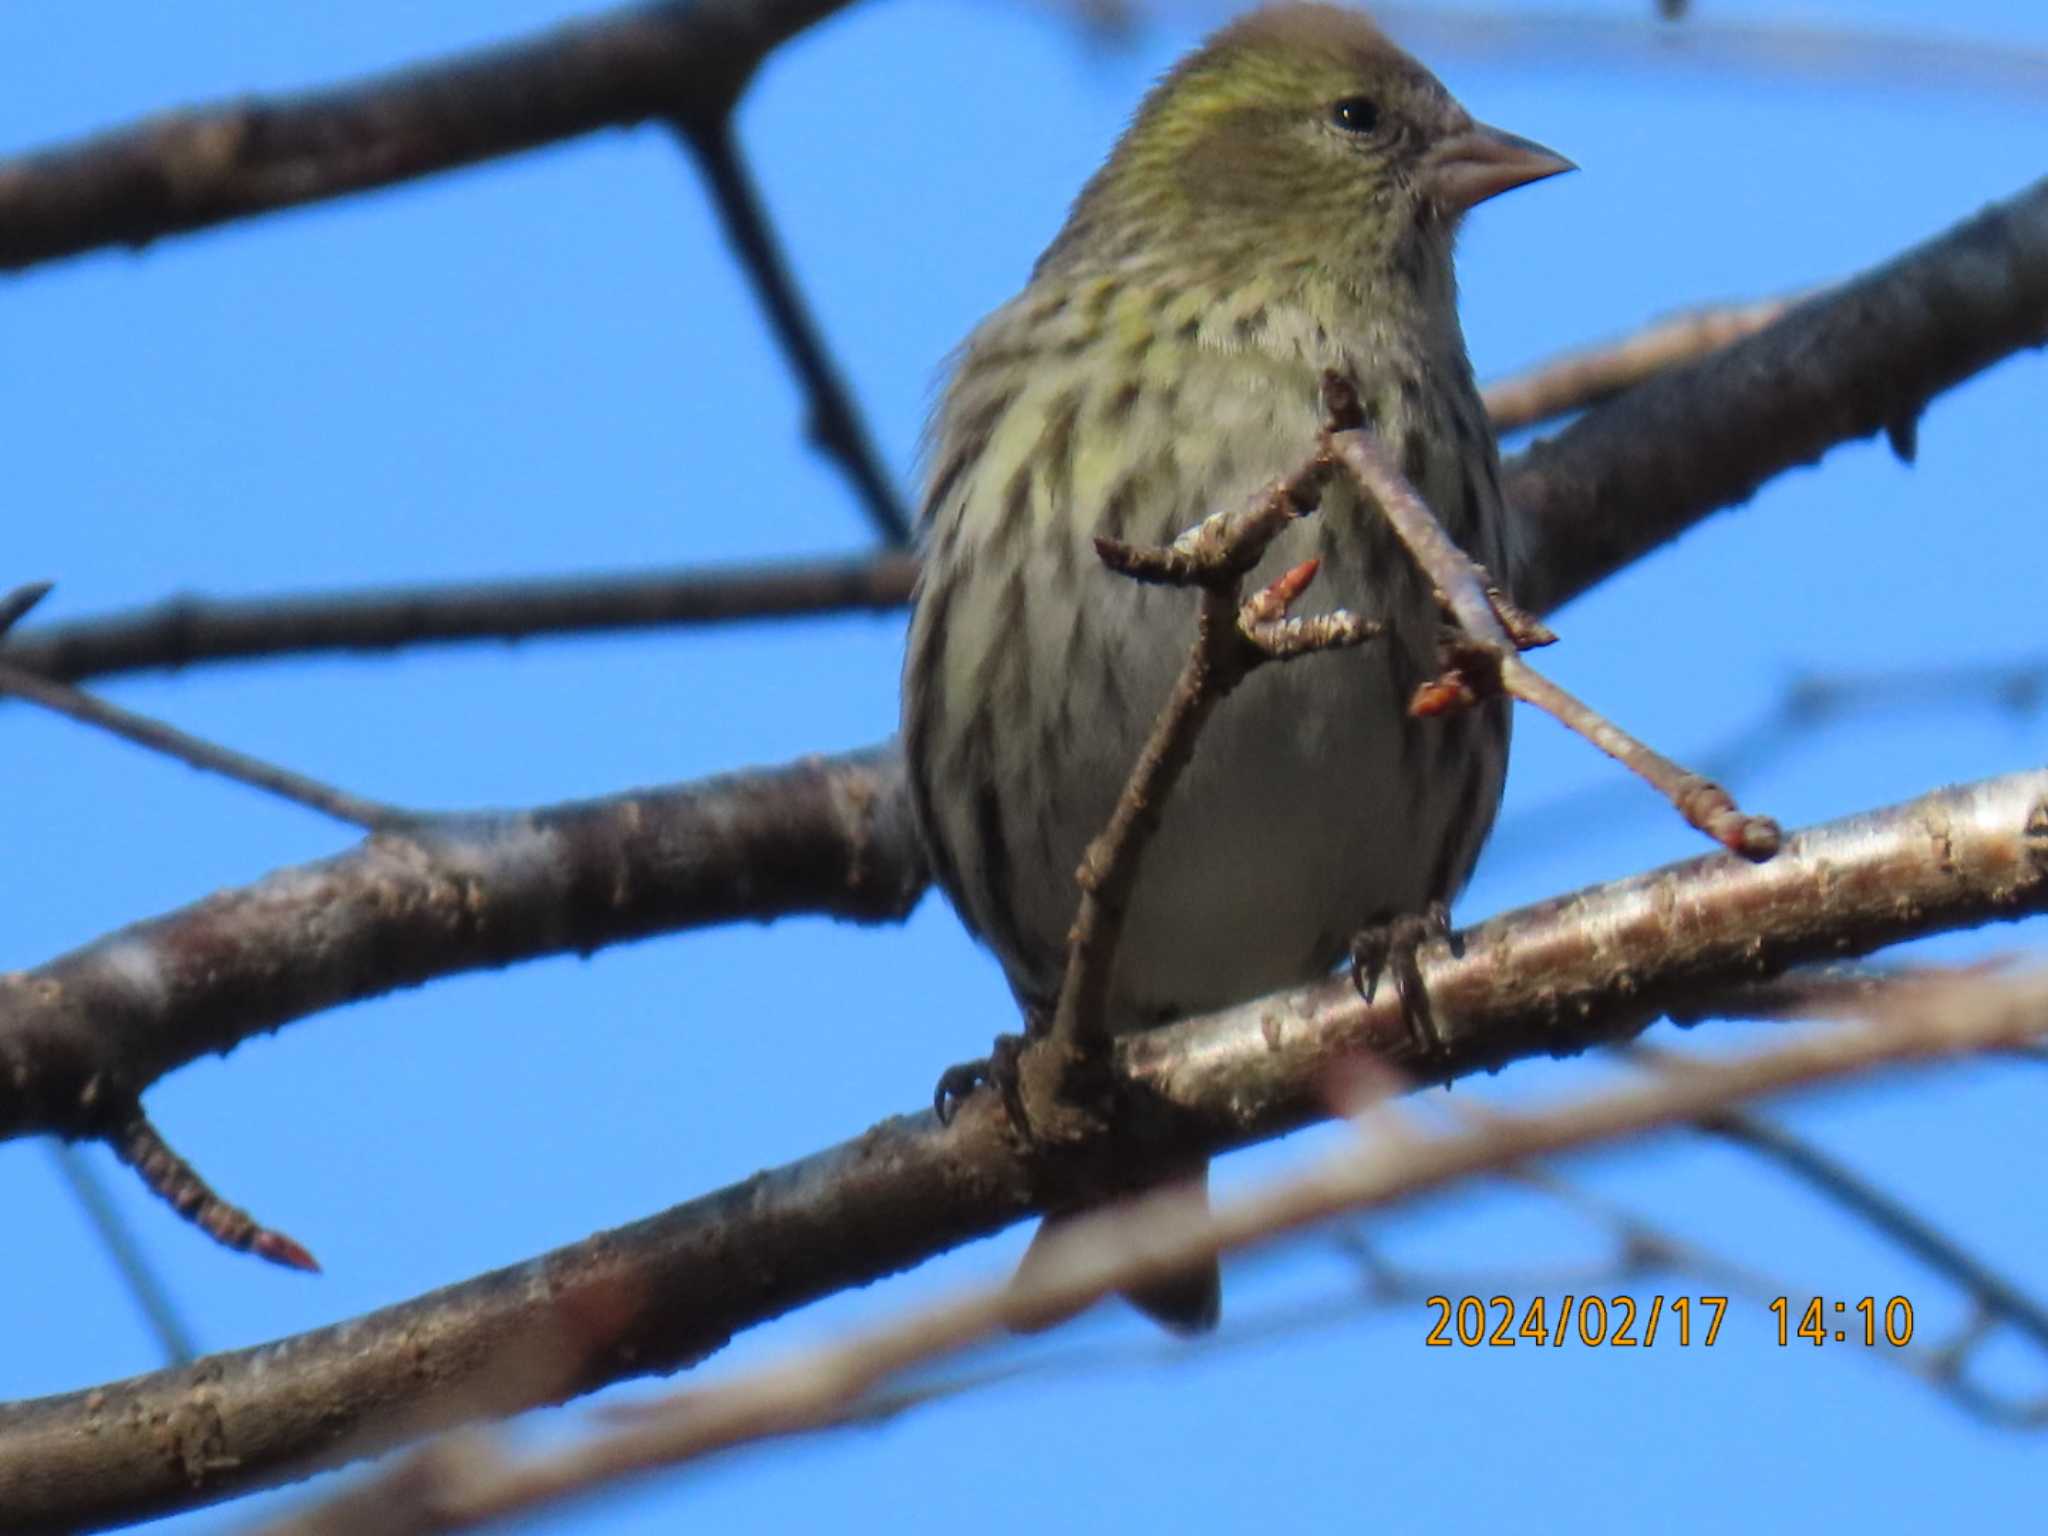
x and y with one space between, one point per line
1298 133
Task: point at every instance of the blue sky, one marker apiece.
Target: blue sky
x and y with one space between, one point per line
550 365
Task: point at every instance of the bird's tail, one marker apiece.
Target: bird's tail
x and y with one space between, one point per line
1186 1302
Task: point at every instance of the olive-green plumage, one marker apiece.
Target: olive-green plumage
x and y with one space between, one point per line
1282 205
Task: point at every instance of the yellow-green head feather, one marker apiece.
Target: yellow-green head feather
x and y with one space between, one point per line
1296 135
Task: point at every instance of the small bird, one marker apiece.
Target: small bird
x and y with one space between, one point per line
1282 206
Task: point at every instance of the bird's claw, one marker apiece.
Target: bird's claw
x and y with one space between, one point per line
996 1070
1390 946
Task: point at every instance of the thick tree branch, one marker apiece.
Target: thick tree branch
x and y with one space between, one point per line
188 170
82 1036
1859 359
1549 980
1908 330
454 1486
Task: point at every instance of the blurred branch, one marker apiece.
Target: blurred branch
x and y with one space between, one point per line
1576 380
435 1491
835 425
84 1034
1551 979
1625 478
1535 38
204 166
140 1278
1998 1299
1938 1365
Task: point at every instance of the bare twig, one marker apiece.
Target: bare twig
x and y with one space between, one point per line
1807 704
168 1176
197 752
835 424
1572 382
229 160
1233 639
16 604
1144 1243
1940 1366
1581 970
118 1238
1488 658
1999 1298
172 742
188 631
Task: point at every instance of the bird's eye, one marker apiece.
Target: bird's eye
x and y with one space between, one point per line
1356 114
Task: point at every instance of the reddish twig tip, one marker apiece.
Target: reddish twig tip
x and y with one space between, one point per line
281 1249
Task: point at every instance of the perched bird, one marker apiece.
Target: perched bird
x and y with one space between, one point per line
1282 205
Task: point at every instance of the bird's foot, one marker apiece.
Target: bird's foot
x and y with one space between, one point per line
997 1070
1390 946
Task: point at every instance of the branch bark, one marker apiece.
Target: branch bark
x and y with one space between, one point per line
193 169
1860 359
663 1293
81 1036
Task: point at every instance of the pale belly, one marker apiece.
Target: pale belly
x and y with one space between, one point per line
1313 805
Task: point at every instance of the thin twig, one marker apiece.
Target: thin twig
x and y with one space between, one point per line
190 630
118 1238
172 742
1575 380
1142 1244
199 753
1489 659
1233 639
16 604
2000 1298
1808 703
835 423
1940 1366
167 1175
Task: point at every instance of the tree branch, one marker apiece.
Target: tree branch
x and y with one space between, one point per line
83 1035
193 169
1626 478
1856 360
453 1487
189 630
665 1292
835 424
1605 492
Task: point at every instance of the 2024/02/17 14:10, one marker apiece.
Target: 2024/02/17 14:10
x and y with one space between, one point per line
1868 1321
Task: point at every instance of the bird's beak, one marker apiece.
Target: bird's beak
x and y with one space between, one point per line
1479 162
